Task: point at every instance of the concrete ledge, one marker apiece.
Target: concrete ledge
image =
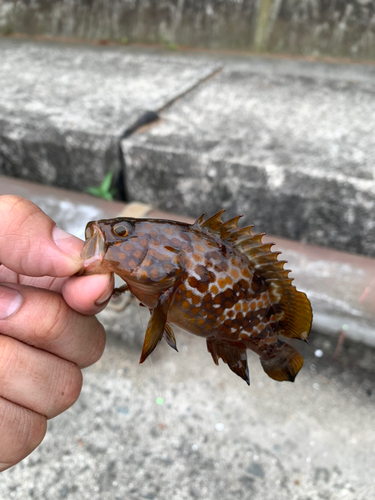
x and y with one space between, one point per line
290 144
291 148
63 108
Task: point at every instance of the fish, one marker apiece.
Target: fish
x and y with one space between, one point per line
210 278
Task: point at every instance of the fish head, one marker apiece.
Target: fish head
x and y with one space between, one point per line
113 245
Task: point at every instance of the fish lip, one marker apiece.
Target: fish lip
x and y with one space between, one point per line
93 250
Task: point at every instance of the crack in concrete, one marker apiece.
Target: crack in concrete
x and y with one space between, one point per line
149 118
190 89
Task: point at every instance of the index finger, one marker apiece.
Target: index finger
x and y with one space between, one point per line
31 244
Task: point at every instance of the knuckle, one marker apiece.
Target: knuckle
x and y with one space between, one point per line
21 431
68 389
51 325
20 210
96 347
30 431
20 219
9 357
8 202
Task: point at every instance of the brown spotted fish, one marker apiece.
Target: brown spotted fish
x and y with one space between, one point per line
211 279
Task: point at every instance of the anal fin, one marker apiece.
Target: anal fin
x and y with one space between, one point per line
234 356
156 324
283 363
169 337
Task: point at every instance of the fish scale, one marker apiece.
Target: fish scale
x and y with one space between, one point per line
210 278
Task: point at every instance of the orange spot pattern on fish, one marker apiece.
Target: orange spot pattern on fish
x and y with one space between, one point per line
211 279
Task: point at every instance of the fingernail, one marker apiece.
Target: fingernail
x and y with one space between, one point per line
106 294
66 242
10 301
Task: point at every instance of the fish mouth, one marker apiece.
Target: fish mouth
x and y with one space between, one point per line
93 250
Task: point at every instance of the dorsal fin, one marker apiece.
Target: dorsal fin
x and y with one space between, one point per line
199 221
292 307
214 222
215 225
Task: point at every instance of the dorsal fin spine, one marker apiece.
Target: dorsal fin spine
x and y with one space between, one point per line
241 234
199 221
295 320
214 222
232 223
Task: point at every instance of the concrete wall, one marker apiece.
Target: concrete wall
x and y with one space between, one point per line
307 27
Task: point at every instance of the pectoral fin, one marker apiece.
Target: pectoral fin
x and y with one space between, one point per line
119 290
169 337
234 356
156 324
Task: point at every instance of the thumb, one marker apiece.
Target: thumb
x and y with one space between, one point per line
31 244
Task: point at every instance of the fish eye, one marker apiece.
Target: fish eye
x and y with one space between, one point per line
120 230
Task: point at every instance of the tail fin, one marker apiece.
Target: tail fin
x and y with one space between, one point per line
283 364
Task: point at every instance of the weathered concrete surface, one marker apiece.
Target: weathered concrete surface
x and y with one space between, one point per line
292 147
328 27
289 144
213 437
63 108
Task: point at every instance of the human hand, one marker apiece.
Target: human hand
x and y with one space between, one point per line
48 331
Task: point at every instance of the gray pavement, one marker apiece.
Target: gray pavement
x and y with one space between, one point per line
213 437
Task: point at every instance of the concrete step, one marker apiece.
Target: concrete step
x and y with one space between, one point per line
288 143
64 107
290 146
